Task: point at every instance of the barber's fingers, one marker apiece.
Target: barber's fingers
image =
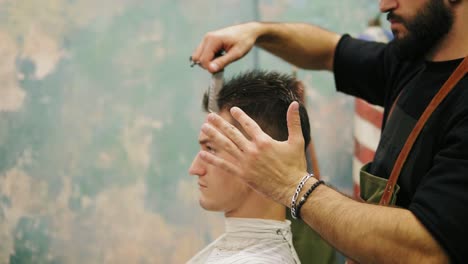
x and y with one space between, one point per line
294 124
211 44
235 41
249 125
214 44
199 56
221 142
219 162
231 133
197 53
230 56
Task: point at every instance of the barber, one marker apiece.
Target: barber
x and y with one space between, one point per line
428 223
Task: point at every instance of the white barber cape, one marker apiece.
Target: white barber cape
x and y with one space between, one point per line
249 240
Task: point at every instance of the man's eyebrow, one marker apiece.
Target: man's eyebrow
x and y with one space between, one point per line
203 141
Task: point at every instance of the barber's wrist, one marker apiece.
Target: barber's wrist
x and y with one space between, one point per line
299 198
303 200
290 188
266 32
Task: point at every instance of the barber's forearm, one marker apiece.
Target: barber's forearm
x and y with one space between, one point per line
369 233
303 45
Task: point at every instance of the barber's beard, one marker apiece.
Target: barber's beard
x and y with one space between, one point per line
424 31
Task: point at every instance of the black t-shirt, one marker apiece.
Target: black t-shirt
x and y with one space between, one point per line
434 179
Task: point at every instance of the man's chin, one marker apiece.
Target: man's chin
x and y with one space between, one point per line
207 206
415 39
399 34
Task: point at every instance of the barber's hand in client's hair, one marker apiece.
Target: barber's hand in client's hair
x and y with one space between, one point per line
271 167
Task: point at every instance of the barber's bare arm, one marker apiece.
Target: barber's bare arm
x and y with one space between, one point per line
303 45
370 233
366 233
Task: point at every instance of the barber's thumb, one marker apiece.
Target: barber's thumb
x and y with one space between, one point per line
221 62
217 65
294 123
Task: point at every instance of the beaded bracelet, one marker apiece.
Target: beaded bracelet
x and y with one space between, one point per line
304 198
296 194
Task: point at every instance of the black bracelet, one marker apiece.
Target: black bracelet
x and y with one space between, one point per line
304 198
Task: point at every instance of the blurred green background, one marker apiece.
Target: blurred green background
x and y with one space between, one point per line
99 118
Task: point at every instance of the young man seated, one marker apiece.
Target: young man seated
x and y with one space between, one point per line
256 228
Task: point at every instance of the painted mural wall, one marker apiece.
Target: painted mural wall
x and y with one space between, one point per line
99 118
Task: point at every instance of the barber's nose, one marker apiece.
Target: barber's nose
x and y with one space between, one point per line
198 166
388 5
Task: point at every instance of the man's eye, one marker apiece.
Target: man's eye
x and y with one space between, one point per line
210 149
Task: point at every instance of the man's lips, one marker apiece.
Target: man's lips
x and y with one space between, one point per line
395 22
202 185
394 19
395 25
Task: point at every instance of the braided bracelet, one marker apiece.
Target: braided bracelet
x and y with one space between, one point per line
304 198
296 194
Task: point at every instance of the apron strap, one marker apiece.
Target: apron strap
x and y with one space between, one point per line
456 76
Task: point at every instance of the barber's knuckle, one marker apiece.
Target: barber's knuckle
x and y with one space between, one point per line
254 153
227 146
213 36
263 143
210 35
231 131
227 127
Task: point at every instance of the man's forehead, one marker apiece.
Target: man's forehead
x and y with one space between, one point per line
202 137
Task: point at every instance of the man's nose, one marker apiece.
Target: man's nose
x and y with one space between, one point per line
198 167
388 5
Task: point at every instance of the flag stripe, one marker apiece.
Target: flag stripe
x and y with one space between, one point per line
370 113
367 130
357 165
366 133
362 153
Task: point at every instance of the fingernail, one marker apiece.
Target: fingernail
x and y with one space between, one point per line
202 154
295 105
204 127
214 67
211 117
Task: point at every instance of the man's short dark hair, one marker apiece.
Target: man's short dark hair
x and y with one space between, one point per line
265 96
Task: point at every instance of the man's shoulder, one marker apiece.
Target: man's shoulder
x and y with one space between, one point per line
266 258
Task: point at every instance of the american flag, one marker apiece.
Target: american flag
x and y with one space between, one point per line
367 117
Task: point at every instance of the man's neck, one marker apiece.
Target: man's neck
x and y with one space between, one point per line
260 207
455 44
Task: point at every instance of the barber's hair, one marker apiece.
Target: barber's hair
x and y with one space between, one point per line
265 96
